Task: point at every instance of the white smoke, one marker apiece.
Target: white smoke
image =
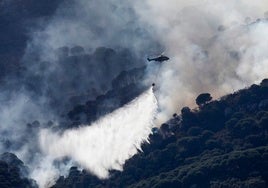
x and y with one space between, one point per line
91 24
104 145
45 173
214 46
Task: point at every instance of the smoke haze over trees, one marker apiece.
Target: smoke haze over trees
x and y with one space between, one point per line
65 64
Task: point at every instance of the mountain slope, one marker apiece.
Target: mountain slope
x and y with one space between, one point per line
223 143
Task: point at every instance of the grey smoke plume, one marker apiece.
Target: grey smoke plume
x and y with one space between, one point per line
62 60
214 46
65 56
92 24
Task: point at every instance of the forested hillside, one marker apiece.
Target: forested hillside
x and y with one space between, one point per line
222 143
65 65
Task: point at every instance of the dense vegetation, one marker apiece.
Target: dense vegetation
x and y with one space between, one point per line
125 87
223 143
13 172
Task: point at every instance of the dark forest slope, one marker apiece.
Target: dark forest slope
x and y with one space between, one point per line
221 144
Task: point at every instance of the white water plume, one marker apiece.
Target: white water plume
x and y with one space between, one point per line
108 142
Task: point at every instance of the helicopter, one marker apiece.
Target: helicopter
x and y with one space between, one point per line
159 59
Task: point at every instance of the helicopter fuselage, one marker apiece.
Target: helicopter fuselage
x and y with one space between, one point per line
159 59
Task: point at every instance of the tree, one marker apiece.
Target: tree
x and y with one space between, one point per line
203 99
264 82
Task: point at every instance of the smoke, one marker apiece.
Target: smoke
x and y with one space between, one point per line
92 24
64 58
82 48
214 46
46 170
106 144
18 112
